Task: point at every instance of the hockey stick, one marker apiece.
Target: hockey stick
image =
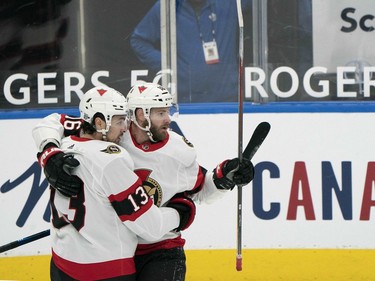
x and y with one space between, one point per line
256 140
24 241
259 135
240 132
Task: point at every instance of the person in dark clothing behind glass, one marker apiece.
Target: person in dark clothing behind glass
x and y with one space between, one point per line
207 48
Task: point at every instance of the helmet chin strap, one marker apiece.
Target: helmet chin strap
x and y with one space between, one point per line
146 129
104 132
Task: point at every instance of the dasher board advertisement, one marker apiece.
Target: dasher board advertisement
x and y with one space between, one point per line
313 185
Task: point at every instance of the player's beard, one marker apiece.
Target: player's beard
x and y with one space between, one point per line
158 133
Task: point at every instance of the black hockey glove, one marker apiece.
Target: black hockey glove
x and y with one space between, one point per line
230 173
57 167
245 173
186 209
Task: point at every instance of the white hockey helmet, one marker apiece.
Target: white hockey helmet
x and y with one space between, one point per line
104 100
146 96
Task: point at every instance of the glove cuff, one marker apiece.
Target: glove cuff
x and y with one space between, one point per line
46 154
220 177
181 204
219 173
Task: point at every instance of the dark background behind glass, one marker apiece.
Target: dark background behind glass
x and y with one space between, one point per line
43 36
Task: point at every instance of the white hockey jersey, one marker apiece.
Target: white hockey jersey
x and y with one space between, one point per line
94 234
166 168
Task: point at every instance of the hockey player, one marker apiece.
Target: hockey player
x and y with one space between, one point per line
94 234
166 163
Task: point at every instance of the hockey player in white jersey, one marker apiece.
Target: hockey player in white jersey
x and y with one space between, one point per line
166 163
94 234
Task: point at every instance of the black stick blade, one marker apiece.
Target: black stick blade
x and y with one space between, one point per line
256 140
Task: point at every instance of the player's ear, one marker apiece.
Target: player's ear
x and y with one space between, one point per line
139 114
99 123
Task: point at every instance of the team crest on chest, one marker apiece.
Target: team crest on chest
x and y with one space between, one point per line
151 186
111 149
153 190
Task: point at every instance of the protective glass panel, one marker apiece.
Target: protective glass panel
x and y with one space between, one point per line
294 50
52 51
317 50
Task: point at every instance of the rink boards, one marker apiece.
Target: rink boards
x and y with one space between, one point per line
307 215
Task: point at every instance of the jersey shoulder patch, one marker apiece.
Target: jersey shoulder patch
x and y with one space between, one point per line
187 142
181 149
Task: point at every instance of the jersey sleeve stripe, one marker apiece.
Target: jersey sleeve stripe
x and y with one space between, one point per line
132 202
200 180
125 194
